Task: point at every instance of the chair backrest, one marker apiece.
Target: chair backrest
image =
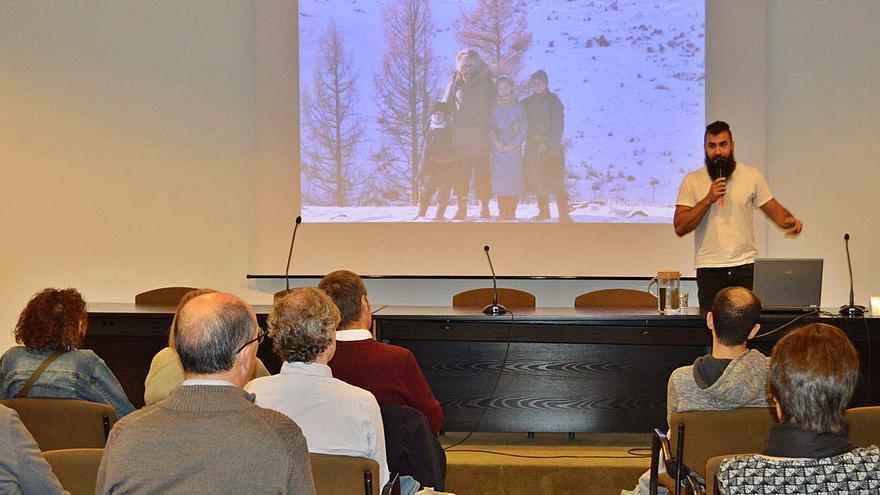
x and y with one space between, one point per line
712 466
341 474
616 298
64 423
76 469
478 298
164 295
864 425
712 433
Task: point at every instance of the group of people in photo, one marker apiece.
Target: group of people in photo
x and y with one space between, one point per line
481 133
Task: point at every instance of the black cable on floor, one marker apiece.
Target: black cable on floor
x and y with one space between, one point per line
494 388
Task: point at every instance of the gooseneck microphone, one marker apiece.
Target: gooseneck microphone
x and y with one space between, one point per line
494 308
289 258
850 309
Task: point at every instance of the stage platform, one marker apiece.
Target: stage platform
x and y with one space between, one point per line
549 463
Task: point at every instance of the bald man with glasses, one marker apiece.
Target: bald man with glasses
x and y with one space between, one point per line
208 436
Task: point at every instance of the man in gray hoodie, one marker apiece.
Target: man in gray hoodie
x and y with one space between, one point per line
732 376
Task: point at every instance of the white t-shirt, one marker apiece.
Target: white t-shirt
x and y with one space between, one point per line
726 236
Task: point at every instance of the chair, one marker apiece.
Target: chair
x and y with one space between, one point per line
164 295
864 431
478 298
411 448
342 474
701 435
616 298
712 467
64 423
864 425
76 469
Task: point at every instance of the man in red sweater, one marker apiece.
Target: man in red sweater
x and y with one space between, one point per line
390 372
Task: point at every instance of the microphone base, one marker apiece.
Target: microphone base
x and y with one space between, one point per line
853 310
494 309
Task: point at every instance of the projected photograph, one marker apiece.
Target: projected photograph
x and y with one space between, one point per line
586 111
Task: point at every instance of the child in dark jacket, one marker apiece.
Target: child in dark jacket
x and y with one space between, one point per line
436 174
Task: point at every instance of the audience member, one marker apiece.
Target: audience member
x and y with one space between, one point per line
208 436
22 467
337 418
166 371
390 372
813 374
49 363
731 376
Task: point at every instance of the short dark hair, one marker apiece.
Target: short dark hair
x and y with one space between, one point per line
541 75
716 128
346 289
207 344
301 324
52 319
813 375
735 311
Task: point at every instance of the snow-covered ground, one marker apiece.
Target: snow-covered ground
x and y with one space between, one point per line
580 212
630 73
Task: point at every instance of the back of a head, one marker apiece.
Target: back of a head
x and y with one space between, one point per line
53 319
813 375
302 324
210 329
735 311
346 289
180 304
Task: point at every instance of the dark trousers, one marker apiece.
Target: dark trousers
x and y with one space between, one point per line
478 166
710 281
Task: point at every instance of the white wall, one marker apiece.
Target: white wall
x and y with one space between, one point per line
128 155
126 147
823 118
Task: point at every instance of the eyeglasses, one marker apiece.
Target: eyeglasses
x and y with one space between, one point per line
258 340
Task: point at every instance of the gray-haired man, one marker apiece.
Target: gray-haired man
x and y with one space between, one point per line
208 436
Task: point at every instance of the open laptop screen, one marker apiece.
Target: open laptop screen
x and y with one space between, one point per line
793 284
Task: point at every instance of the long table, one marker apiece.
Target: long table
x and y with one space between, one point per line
544 370
567 369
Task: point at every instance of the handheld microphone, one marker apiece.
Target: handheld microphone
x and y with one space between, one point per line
289 258
850 309
494 308
719 172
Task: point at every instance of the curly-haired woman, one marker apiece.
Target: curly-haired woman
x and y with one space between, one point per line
50 329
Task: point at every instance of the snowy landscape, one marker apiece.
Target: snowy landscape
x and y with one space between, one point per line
631 75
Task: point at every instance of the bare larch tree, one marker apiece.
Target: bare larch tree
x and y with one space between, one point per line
405 84
498 30
332 125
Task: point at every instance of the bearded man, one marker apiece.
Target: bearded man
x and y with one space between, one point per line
718 201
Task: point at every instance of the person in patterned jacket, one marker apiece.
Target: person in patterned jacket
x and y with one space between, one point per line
813 374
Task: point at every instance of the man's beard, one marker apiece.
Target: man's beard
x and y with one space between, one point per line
728 164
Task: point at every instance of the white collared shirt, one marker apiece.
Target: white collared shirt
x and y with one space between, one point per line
353 335
335 417
222 383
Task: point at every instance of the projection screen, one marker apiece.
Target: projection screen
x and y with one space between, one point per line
344 100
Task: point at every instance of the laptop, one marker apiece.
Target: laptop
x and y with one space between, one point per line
789 285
